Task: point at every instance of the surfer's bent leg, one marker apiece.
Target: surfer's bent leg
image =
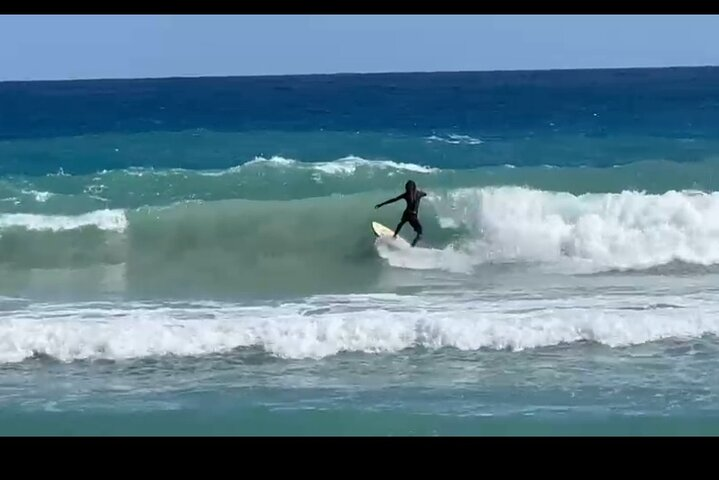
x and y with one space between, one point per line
399 227
414 222
405 218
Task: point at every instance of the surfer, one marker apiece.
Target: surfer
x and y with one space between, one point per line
412 196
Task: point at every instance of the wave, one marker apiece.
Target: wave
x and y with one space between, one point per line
324 326
455 139
628 230
231 245
561 232
325 243
347 165
282 178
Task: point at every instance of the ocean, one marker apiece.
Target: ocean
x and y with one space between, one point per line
193 256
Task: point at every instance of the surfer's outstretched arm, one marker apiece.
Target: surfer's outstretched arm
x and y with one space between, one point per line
391 200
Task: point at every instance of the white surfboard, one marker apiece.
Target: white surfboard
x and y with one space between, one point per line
386 233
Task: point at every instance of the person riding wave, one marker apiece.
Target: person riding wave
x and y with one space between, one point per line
412 196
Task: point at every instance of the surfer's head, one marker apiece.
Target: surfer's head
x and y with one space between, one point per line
410 186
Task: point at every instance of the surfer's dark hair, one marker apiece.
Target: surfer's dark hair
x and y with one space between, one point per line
410 185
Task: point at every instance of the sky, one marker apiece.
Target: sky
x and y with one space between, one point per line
46 47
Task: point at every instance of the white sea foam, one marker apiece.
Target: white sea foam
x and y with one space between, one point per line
40 197
456 139
422 258
343 166
628 230
325 326
111 220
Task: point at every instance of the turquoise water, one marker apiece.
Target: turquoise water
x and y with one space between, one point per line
575 390
194 256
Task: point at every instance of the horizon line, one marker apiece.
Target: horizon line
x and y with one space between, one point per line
348 73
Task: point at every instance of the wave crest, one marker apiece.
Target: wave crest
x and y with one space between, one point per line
627 230
324 326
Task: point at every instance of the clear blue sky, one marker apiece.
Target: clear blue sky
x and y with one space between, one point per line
60 47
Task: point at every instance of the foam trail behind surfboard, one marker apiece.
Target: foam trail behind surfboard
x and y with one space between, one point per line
399 253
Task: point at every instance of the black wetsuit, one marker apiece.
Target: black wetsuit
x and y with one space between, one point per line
412 197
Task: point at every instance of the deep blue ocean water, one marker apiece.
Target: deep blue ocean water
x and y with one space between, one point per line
194 256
